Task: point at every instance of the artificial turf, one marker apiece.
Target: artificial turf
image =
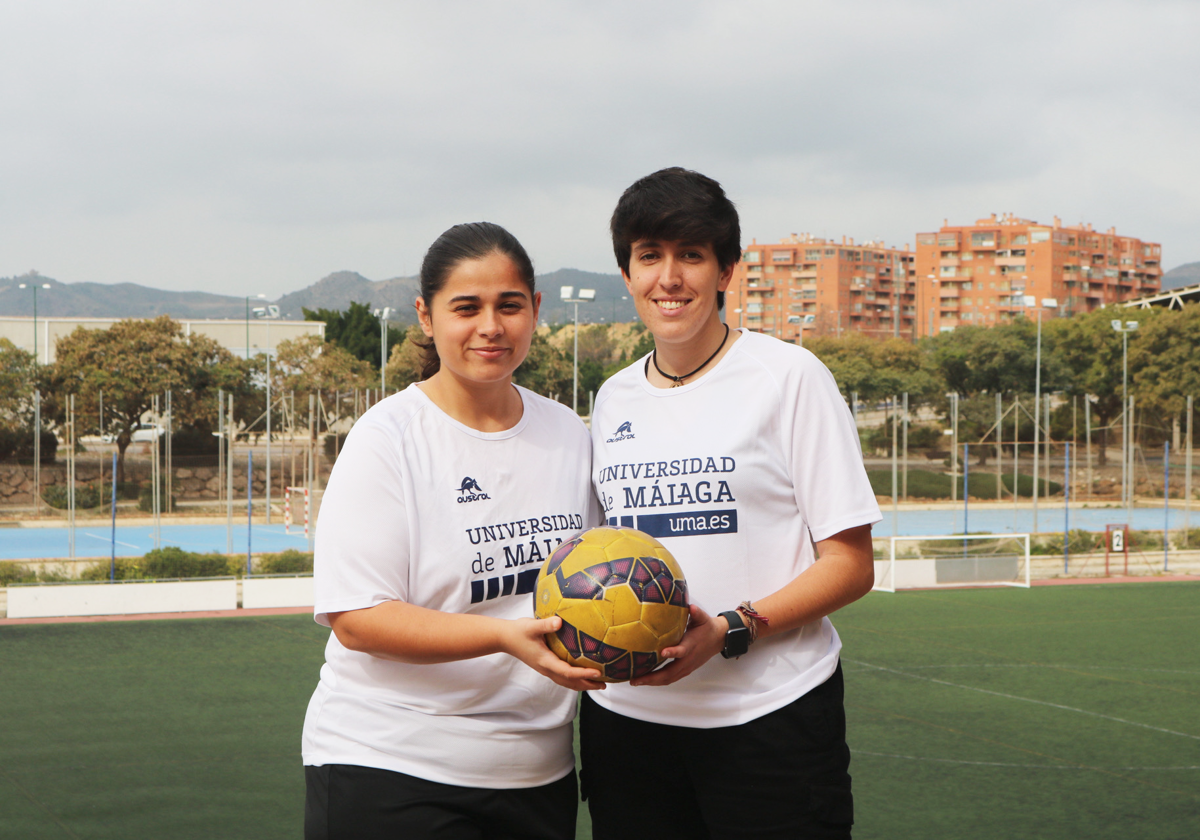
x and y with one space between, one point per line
1056 712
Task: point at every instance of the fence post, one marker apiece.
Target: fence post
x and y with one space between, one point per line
1166 504
1067 510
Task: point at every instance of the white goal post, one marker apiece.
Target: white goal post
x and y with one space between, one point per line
932 562
288 519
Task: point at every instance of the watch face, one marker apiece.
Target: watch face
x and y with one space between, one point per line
737 642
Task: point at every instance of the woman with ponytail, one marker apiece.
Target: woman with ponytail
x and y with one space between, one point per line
440 711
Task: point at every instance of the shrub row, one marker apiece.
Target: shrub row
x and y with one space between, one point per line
171 562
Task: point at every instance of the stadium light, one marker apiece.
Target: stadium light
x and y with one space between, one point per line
567 295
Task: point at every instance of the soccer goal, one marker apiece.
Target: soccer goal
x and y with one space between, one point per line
957 560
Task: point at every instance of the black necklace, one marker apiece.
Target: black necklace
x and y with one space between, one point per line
678 380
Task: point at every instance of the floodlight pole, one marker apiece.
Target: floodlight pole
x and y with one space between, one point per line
1037 423
383 321
35 287
567 295
1126 438
1037 399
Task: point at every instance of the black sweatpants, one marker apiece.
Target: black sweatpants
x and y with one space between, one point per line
364 803
784 775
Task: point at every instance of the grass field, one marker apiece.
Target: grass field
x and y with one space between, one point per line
924 484
1056 712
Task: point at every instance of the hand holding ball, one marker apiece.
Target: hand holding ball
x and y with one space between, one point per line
622 598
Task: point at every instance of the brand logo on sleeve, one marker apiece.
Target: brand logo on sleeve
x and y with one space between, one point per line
473 492
624 432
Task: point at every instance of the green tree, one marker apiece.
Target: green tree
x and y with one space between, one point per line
1164 361
876 369
18 381
356 330
308 365
546 370
405 363
1089 351
133 361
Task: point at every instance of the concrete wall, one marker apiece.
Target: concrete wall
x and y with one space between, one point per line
121 598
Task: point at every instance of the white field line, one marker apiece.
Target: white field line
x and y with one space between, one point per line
1052 665
1025 699
110 540
1007 764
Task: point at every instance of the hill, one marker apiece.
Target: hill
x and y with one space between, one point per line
336 291
115 300
1187 274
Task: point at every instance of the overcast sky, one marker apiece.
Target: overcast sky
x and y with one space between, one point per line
247 147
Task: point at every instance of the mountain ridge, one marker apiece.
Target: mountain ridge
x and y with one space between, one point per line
334 291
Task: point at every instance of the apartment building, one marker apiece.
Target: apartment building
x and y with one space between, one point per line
805 285
985 274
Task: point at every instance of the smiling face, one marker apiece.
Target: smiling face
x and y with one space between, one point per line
674 287
481 320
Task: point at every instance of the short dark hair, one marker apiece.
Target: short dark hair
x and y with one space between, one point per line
677 204
470 241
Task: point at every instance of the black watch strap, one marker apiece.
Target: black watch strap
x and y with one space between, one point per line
737 637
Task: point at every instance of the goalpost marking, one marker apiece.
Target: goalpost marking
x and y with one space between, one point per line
956 560
287 508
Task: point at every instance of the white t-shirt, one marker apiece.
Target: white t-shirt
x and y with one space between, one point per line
425 510
737 473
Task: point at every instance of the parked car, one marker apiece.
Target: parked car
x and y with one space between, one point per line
145 433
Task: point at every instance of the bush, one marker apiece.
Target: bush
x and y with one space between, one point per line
1189 538
330 444
193 441
1084 542
87 496
18 442
16 573
286 562
1145 540
168 562
146 498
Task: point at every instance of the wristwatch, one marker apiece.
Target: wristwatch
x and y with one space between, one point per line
737 637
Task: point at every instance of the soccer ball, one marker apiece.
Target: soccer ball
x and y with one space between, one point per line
621 596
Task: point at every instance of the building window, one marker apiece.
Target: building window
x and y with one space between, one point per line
781 256
947 240
1041 235
1019 239
947 271
986 239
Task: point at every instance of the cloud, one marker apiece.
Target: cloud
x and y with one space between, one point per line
215 145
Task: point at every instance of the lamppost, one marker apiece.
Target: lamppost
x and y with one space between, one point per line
35 287
260 297
1047 303
567 295
269 313
1126 439
37 407
383 315
614 304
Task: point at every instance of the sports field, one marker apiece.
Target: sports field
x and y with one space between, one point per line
1055 712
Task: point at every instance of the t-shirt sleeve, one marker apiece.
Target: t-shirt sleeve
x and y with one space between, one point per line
362 544
830 481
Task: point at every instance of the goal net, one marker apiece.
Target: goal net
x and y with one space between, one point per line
957 560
